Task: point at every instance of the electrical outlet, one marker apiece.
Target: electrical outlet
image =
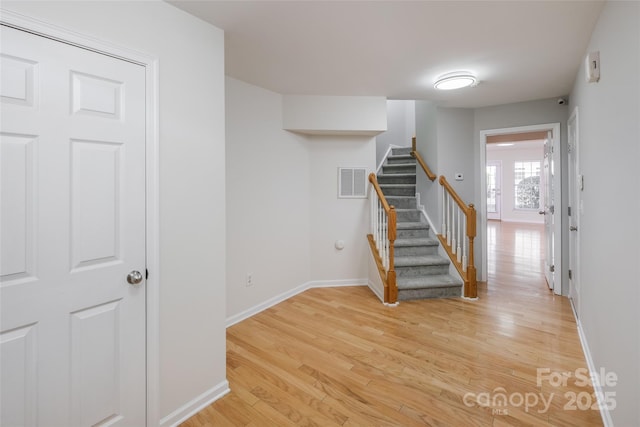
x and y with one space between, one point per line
249 281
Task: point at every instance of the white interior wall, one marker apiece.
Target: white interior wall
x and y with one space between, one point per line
609 152
400 127
445 141
192 179
507 157
455 149
283 211
268 199
338 219
409 120
527 113
426 123
346 115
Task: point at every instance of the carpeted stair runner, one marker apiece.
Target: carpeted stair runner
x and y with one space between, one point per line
420 271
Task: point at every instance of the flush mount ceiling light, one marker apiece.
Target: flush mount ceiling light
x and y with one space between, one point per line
456 80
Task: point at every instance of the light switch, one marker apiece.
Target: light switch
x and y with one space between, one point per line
459 177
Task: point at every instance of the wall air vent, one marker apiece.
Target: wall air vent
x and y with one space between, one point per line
352 183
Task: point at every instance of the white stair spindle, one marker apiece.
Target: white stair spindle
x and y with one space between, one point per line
465 248
449 210
379 234
385 256
458 255
373 214
455 229
443 231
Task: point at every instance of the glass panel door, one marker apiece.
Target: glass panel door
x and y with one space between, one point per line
494 172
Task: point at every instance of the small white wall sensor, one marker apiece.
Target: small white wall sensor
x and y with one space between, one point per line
593 67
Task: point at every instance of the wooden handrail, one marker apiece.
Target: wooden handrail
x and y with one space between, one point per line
374 180
468 275
414 153
454 195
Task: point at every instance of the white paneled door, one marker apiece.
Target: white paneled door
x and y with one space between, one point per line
72 331
549 212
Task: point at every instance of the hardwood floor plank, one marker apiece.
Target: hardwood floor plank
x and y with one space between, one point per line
337 357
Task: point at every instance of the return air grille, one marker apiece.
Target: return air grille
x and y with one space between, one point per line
352 183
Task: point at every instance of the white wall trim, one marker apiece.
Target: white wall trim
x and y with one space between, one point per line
559 207
375 290
150 62
194 406
594 374
236 318
337 283
384 158
424 213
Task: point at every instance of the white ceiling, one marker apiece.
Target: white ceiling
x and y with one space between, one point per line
520 50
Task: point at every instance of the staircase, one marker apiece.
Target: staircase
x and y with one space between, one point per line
421 272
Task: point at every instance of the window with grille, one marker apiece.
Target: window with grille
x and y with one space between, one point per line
527 185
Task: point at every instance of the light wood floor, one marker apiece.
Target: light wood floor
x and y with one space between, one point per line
338 357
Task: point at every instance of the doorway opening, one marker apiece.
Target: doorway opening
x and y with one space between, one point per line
522 184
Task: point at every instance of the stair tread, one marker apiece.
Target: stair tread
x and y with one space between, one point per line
416 241
390 165
397 185
419 260
429 281
396 175
412 226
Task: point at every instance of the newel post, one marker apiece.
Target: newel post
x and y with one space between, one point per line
471 291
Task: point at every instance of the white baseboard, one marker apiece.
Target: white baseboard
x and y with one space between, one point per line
194 406
431 226
595 376
236 318
337 283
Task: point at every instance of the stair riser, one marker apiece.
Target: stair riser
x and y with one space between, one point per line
402 203
408 234
415 250
408 216
446 292
390 179
421 270
407 191
400 159
391 169
400 151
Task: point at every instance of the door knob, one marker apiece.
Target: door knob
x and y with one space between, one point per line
542 212
573 228
134 277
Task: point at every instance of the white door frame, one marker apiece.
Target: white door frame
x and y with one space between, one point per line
574 220
22 22
557 202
